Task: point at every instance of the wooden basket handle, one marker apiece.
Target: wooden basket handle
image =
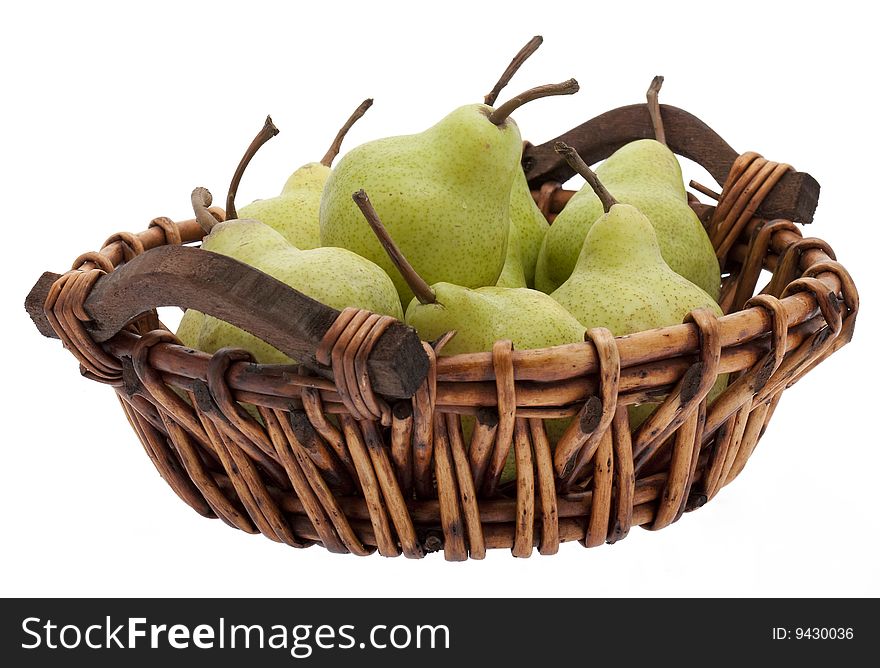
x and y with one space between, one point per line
794 197
241 295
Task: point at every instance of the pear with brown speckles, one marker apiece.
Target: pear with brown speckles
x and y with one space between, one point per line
333 276
646 174
528 318
621 281
444 194
294 213
477 317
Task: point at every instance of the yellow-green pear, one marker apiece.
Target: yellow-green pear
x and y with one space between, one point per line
333 276
482 316
621 280
294 213
647 175
246 241
479 316
443 194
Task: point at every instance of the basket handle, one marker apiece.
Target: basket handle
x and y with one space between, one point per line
794 198
243 296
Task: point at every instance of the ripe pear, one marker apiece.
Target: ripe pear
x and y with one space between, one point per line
444 194
647 175
527 229
294 213
621 280
333 276
482 316
479 317
246 241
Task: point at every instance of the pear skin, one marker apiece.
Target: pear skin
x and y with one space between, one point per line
528 225
443 194
189 328
622 282
333 276
646 174
528 318
512 273
246 241
294 213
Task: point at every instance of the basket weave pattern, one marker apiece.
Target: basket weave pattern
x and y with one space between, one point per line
327 460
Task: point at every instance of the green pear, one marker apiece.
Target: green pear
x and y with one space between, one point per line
647 175
480 316
621 280
294 213
528 225
246 241
333 276
527 229
444 194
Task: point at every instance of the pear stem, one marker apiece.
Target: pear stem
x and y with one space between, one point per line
700 188
500 114
517 62
654 109
577 163
201 199
265 134
423 292
333 151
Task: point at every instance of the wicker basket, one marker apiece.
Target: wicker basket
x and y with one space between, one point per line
361 447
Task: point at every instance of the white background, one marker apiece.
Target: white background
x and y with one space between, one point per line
111 115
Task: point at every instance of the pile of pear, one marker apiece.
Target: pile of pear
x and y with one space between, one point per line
439 229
